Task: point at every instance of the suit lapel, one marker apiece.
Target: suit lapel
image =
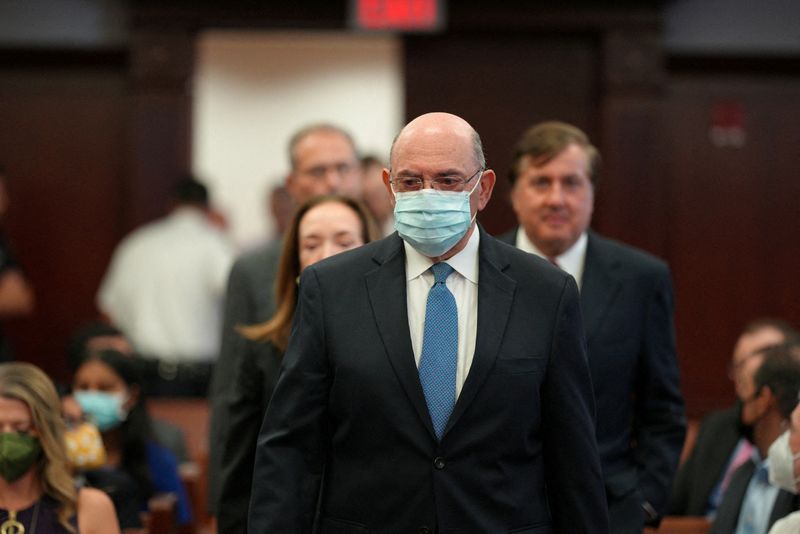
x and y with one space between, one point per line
785 503
495 296
729 508
386 287
600 284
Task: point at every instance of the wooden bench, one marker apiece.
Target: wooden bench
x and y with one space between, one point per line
161 515
192 416
681 525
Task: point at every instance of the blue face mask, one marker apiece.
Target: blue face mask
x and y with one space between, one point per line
433 221
103 409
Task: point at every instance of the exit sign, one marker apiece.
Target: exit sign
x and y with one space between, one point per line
399 15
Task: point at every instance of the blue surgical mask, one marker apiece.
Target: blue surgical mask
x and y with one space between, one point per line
433 221
103 409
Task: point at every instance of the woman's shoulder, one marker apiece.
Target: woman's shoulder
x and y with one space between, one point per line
96 512
92 497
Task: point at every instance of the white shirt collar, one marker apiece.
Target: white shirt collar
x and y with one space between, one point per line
571 261
465 262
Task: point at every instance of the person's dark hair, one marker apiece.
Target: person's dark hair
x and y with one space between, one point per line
189 191
780 372
544 141
79 341
136 430
304 132
276 330
790 335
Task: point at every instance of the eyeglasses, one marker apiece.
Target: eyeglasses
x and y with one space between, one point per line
319 172
405 184
735 368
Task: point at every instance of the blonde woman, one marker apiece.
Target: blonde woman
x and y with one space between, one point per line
37 491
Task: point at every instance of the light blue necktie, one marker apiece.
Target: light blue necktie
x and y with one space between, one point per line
437 366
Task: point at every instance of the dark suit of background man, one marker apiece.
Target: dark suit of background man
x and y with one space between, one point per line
626 299
323 160
349 442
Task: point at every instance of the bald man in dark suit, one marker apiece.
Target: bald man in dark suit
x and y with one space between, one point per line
381 423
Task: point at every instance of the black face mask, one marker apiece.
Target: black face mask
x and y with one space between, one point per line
745 429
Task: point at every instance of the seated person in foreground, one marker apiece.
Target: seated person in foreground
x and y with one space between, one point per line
99 335
752 504
720 447
37 492
107 387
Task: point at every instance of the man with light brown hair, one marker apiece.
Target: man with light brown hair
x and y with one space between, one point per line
626 299
435 380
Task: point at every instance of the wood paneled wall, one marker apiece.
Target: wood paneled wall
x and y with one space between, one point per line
63 141
502 84
733 232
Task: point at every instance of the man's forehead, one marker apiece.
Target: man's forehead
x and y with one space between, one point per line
324 144
574 152
442 150
752 342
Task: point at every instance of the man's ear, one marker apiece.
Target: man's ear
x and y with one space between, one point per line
289 182
766 400
387 183
488 180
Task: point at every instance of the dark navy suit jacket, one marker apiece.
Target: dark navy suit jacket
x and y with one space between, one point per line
626 299
250 299
347 444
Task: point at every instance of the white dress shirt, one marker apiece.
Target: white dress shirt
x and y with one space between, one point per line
462 283
166 284
572 260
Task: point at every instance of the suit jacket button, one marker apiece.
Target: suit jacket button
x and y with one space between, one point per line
424 530
438 462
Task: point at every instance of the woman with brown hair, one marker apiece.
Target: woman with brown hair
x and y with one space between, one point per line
320 228
37 491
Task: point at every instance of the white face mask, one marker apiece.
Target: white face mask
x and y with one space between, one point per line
781 464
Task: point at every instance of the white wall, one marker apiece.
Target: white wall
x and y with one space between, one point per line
252 90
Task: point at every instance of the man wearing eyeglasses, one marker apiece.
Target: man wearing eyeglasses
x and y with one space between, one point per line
723 443
435 380
626 299
770 382
323 161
